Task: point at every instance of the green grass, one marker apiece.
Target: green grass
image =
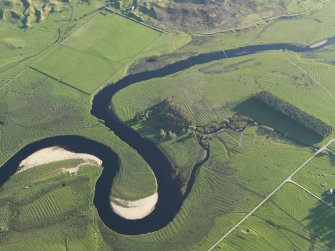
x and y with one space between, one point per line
48 206
183 151
5 216
56 212
65 112
249 165
20 48
318 175
211 92
241 171
273 119
291 220
243 167
95 52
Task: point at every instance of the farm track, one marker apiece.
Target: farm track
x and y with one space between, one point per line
287 180
170 197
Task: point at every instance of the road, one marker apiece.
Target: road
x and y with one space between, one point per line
309 192
288 179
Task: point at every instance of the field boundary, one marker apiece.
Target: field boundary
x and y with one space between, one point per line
58 80
46 51
105 82
110 10
288 179
60 42
309 192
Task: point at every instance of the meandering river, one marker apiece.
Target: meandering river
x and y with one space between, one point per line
170 197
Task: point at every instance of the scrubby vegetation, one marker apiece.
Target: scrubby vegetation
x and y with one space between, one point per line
169 116
290 111
200 15
27 13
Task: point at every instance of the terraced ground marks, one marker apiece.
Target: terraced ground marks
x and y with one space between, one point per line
48 206
96 51
64 111
56 211
243 168
240 172
207 93
5 215
248 165
292 219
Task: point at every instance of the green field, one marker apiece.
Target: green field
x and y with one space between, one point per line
95 52
80 46
291 220
243 167
43 209
318 176
212 92
65 112
238 175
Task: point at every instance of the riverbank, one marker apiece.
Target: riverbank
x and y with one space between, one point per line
54 154
136 209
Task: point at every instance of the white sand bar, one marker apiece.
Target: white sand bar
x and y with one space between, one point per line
319 43
54 154
136 209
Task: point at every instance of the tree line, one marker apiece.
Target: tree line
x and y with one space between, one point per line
292 112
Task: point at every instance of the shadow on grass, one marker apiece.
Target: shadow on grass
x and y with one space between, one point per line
147 128
271 118
322 222
150 129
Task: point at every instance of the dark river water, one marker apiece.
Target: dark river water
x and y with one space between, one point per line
170 197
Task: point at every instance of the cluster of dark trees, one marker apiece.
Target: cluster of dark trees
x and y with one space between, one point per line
290 111
171 115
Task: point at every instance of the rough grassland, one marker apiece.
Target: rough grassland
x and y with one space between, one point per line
307 29
242 170
36 107
291 220
56 211
211 92
96 51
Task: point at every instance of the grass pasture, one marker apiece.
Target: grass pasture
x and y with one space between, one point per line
56 211
241 171
92 54
318 176
271 118
291 220
211 92
37 107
